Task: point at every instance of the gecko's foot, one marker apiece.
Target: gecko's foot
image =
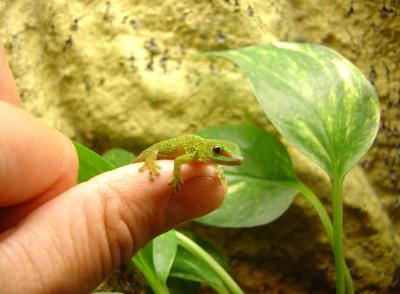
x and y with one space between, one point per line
220 173
176 183
154 170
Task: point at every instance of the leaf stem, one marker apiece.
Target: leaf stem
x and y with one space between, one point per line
322 213
337 215
196 250
327 224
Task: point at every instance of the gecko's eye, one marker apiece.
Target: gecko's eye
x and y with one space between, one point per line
217 150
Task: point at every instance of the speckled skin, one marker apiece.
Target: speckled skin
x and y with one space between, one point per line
172 148
188 148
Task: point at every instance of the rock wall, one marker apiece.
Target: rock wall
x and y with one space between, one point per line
119 73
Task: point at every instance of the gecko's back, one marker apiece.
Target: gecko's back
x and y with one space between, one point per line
172 148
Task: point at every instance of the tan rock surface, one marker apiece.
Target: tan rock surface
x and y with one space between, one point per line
117 73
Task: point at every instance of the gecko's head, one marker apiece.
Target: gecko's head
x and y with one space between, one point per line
222 152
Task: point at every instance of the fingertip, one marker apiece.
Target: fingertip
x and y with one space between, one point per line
199 195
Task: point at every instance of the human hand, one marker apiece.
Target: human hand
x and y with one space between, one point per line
59 237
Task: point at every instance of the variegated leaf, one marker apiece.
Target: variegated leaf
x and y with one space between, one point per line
317 99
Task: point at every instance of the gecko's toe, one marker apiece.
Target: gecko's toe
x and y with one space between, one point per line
151 177
153 174
220 173
142 168
176 184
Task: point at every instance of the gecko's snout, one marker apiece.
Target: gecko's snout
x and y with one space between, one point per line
235 160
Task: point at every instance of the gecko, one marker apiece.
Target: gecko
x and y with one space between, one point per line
185 149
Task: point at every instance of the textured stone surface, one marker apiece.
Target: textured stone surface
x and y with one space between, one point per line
118 73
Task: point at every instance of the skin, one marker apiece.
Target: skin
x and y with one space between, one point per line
60 237
188 149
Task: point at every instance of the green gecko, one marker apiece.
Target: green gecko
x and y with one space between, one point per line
189 148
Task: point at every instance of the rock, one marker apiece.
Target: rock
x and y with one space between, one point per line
116 73
127 78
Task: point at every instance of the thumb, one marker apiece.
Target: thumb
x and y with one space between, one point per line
71 243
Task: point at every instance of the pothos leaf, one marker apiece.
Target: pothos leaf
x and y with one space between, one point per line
317 99
261 189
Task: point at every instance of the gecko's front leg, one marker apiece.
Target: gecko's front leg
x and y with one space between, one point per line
150 163
176 182
220 173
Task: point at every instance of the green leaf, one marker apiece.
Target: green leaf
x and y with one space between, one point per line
90 163
203 261
189 267
118 156
261 189
164 251
317 99
143 260
184 265
214 252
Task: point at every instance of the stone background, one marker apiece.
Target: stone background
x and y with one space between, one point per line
118 73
